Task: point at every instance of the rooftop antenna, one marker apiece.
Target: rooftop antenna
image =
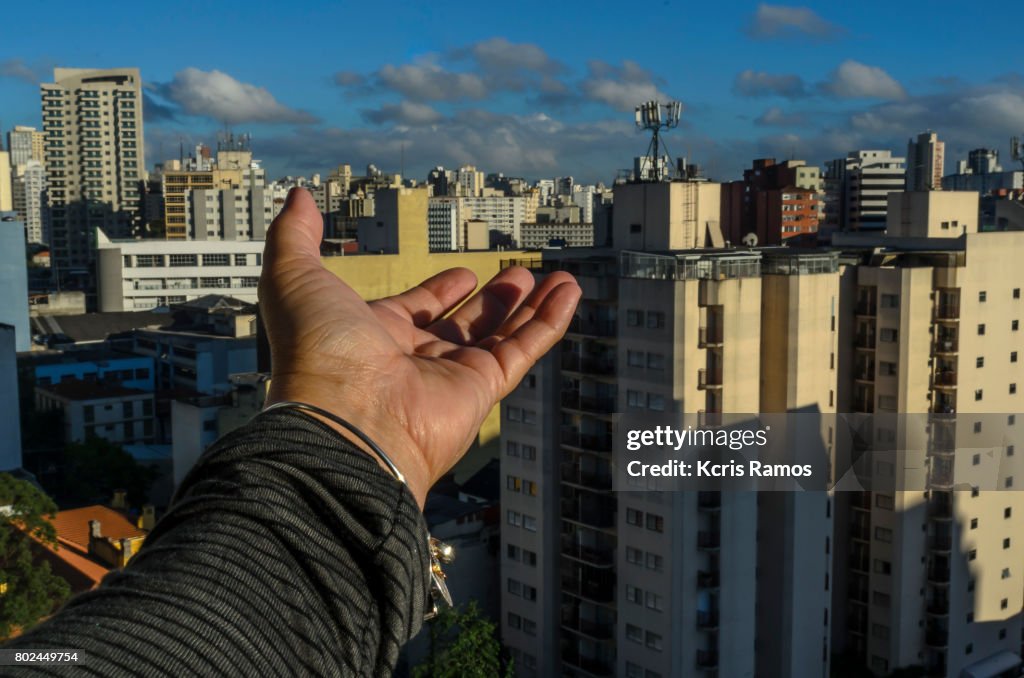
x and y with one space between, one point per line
1015 150
651 116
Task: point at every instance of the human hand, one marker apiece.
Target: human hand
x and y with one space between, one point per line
417 380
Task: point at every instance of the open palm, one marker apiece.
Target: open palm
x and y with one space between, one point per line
418 378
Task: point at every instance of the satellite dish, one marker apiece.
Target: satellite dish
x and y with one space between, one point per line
750 240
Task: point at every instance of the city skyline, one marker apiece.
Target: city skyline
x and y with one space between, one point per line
536 93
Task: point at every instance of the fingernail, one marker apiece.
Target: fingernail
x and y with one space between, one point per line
291 194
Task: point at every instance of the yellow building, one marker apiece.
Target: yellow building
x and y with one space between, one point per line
401 215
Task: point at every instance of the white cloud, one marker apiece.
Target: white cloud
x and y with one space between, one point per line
431 82
620 87
780 21
217 95
751 83
854 80
403 113
776 117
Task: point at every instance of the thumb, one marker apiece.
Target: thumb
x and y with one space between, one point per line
296 232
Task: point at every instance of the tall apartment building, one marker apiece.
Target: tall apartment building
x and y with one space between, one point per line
30 200
774 201
926 157
6 193
504 214
857 189
929 569
641 583
139 275
95 160
209 215
26 143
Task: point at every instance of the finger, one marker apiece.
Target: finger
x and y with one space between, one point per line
296 233
487 309
534 338
432 298
528 308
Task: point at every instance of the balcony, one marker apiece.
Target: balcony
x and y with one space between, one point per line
596 589
707 619
866 307
944 379
594 480
859 563
946 345
707 580
941 543
709 378
709 541
591 666
598 365
709 336
947 311
602 329
592 629
707 659
937 638
938 574
865 342
945 403
591 442
597 511
592 404
940 507
941 475
591 555
709 501
939 607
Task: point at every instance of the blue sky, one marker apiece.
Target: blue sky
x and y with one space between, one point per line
538 88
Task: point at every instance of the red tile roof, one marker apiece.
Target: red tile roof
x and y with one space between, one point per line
73 525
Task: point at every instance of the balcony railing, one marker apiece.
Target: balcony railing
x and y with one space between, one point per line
866 308
597 513
865 341
707 619
938 574
600 557
709 540
707 580
587 627
946 345
707 659
939 606
588 588
709 336
945 378
573 473
709 378
940 542
947 311
709 501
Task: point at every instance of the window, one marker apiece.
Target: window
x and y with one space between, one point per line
1014 325
1016 293
515 519
1003 604
1013 388
635 358
655 523
887 334
126 409
653 641
529 523
655 361
634 517
515 621
634 556
634 633
653 601
1006 573
515 587
979 361
883 566
1009 482
883 534
514 413
974 491
880 599
1007 512
974 523
880 631
1006 543
1011 419
529 452
512 448
149 260
975 460
634 228
982 296
529 417
634 318
529 627
655 320
656 402
979 394
634 399
183 260
972 554
884 501
1013 356
981 329
890 301
529 592
89 413
513 483
969 649
241 259
655 562
634 595
216 260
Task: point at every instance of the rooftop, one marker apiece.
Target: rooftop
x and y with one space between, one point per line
77 389
86 327
73 525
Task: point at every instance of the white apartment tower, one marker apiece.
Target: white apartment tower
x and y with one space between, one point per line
30 200
857 189
95 159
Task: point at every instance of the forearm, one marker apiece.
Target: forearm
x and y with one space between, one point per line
285 551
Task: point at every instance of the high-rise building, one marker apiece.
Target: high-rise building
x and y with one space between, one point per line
30 200
95 161
601 583
928 568
6 191
926 157
774 201
26 143
857 189
14 280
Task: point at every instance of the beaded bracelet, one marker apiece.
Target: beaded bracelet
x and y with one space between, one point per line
440 553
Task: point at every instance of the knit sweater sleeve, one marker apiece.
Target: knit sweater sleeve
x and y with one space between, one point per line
285 551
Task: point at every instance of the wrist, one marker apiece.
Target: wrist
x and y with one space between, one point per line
399 452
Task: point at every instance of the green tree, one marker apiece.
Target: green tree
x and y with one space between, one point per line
463 644
91 471
30 590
